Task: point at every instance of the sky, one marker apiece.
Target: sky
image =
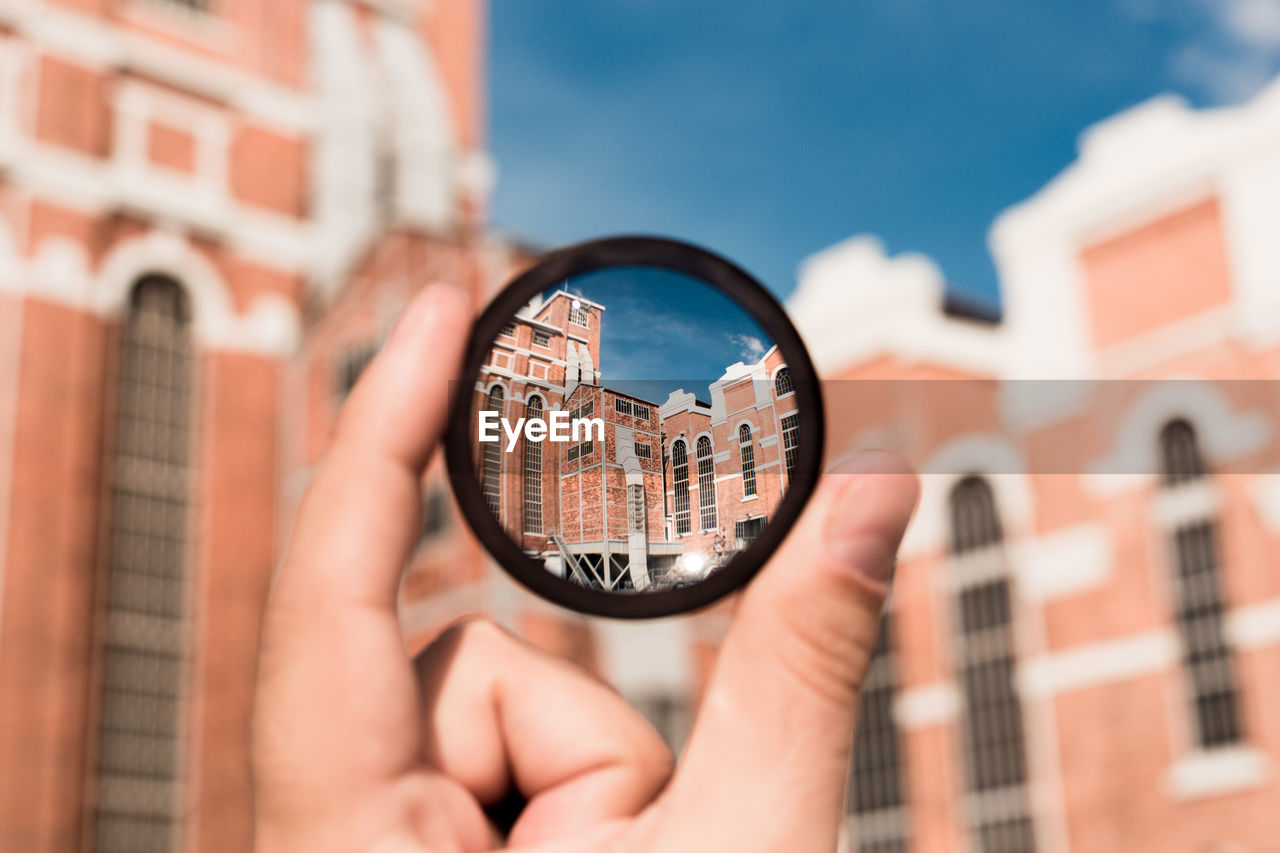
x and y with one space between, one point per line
768 131
663 331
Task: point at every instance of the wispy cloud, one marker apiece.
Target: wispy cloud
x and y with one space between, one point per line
751 347
1230 48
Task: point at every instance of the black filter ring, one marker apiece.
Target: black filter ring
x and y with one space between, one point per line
716 271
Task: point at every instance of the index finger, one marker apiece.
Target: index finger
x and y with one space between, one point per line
362 509
333 660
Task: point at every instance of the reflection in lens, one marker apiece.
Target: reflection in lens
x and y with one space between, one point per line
600 466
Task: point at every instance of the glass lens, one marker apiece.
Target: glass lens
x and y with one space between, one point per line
634 429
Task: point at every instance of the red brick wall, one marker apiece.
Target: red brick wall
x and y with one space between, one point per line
51 565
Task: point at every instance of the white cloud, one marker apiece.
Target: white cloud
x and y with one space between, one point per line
1227 78
1233 46
1252 22
752 348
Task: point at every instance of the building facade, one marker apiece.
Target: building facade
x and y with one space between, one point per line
1080 648
210 213
651 496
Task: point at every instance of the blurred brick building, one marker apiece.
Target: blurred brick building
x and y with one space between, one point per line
210 214
1082 647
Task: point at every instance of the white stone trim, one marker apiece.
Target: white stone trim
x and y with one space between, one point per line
1194 501
1100 663
138 105
1254 626
271 327
1064 563
1217 772
1159 346
1266 497
991 456
95 187
95 44
927 705
854 302
1224 435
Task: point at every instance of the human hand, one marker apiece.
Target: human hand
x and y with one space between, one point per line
359 747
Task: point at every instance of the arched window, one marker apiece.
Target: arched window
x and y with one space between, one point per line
1180 460
706 485
782 383
680 485
146 628
875 794
974 521
1197 596
491 458
533 473
748 455
994 744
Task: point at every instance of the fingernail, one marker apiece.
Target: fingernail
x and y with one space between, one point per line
870 513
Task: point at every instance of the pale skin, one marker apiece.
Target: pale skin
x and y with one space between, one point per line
359 746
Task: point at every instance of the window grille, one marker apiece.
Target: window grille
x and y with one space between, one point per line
644 451
351 367
580 317
200 6
875 794
746 530
790 440
533 474
680 485
491 459
143 703
706 484
994 742
435 514
782 384
635 507
508 329
585 410
639 412
667 712
1198 600
541 338
747 452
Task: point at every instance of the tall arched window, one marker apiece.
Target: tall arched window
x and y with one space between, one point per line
141 726
491 458
706 485
995 748
875 800
680 484
782 383
748 455
533 473
1197 595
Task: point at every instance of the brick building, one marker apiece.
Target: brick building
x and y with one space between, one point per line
666 494
1081 648
210 214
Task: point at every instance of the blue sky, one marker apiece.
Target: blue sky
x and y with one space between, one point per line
767 131
664 330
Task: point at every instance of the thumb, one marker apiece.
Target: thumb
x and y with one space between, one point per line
772 740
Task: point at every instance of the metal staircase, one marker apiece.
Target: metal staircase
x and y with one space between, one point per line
581 577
